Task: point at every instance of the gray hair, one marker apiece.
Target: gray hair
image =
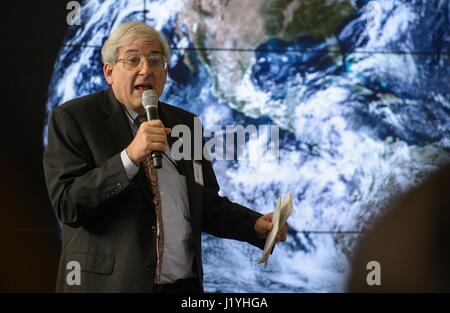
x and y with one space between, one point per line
128 32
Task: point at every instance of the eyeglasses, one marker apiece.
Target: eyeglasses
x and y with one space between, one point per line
155 60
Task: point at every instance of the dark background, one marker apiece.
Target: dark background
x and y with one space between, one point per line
31 35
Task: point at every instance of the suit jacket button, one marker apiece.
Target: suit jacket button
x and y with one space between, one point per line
154 229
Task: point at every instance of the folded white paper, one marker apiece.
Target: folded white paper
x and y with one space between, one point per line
281 214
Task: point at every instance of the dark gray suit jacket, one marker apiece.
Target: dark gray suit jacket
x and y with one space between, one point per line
109 221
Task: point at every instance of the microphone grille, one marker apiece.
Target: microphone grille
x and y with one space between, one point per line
149 98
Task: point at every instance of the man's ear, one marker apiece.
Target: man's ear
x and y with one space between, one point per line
165 75
107 72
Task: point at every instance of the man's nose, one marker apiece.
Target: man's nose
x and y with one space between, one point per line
145 67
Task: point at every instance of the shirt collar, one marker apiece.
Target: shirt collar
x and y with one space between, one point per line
131 113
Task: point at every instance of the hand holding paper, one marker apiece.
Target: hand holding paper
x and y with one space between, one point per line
280 216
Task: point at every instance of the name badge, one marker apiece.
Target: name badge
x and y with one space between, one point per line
198 173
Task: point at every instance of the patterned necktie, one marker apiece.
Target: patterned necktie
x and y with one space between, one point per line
152 177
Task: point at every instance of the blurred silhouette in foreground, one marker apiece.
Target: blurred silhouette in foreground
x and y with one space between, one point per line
410 244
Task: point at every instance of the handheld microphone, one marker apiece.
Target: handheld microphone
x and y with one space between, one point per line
150 104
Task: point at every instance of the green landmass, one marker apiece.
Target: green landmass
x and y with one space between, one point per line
289 19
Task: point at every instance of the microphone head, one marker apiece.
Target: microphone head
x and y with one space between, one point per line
149 99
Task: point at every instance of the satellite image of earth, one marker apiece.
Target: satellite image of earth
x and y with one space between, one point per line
359 90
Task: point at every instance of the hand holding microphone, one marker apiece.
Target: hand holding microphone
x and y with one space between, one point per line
150 138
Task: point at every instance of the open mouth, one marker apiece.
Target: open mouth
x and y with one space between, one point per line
142 87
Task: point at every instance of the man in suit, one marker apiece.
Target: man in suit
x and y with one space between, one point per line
101 187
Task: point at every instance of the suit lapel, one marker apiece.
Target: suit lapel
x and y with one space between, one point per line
119 130
116 123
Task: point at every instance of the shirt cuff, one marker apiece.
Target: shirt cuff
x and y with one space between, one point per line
130 168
